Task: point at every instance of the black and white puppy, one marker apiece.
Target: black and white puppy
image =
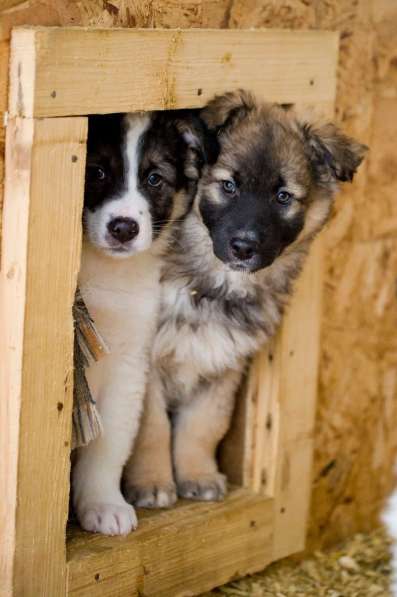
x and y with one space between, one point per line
259 204
140 178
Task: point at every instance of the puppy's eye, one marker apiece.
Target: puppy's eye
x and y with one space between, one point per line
284 197
229 186
96 173
154 179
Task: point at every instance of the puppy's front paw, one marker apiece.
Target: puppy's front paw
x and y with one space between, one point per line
108 519
210 488
151 496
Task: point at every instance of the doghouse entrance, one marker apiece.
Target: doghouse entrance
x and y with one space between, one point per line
58 76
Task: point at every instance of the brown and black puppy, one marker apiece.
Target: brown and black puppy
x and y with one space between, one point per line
260 202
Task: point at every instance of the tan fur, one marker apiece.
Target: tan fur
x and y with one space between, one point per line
148 477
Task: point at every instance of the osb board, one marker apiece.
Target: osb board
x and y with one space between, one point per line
357 390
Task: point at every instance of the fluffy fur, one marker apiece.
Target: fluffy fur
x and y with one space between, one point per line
261 200
140 178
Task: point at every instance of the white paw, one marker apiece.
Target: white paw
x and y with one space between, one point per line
108 519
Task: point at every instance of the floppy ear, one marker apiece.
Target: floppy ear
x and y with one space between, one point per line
334 156
200 144
225 110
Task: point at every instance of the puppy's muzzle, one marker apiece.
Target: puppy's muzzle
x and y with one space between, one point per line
243 248
123 229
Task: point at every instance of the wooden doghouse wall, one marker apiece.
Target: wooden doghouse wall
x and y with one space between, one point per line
356 436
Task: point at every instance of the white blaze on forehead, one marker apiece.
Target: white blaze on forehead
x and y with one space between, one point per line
130 202
136 125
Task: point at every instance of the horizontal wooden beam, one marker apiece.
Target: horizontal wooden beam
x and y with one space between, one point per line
75 71
186 550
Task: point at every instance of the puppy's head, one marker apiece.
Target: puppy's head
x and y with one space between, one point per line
140 175
273 179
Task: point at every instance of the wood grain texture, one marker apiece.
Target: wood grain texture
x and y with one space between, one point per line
184 551
41 255
4 65
75 71
294 415
270 447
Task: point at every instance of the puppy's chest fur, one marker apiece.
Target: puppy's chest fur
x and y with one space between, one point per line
211 318
122 297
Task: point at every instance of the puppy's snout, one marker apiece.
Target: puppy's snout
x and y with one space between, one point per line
244 248
123 229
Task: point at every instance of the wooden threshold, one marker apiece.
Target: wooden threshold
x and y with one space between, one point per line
175 553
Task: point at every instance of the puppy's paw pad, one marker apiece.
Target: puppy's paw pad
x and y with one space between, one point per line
108 519
152 496
209 488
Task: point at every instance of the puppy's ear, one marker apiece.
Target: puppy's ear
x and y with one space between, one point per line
201 146
333 155
225 110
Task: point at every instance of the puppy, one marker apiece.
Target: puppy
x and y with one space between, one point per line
140 176
260 202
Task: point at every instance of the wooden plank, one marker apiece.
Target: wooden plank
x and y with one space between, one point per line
4 64
299 354
45 164
282 412
184 551
67 71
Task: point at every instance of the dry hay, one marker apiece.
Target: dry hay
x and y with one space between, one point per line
358 568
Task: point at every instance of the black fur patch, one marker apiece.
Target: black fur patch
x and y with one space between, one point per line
162 149
104 154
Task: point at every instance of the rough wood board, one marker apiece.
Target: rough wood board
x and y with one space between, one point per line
4 62
71 71
299 354
41 252
184 551
276 439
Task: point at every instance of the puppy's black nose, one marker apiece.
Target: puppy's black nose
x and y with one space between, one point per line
243 248
123 229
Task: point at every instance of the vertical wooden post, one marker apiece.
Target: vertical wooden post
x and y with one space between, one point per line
269 449
45 164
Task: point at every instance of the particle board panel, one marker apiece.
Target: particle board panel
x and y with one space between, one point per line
71 71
